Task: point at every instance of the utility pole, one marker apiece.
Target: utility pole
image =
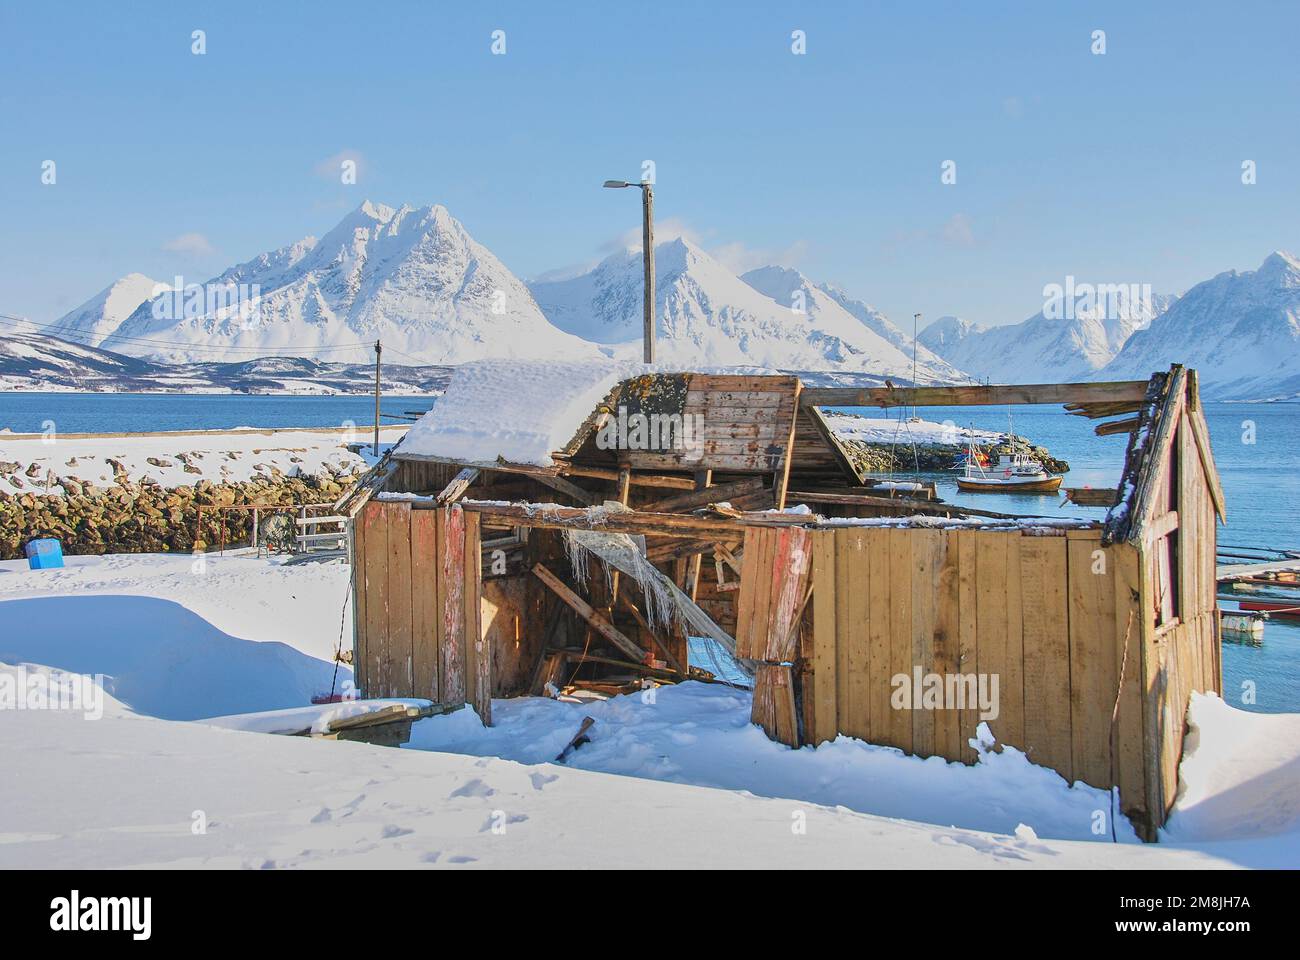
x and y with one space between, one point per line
916 324
648 255
648 245
378 350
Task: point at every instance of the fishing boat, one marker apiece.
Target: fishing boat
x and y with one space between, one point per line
1287 609
1016 472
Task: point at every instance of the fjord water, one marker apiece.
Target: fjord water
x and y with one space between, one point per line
1256 446
1257 450
155 412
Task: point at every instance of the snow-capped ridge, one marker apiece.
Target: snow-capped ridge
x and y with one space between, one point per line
1239 329
411 277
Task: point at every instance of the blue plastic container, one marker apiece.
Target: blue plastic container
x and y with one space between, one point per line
44 554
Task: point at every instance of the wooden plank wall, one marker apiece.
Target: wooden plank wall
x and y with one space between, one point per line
1052 614
747 425
417 628
774 583
1186 655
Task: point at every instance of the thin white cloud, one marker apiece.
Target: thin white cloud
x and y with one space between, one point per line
190 245
736 256
957 231
331 168
740 258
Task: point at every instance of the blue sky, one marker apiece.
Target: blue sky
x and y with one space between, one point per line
1119 168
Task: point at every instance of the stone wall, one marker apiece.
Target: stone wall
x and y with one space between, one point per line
131 517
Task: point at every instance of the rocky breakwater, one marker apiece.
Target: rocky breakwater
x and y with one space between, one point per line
145 515
887 446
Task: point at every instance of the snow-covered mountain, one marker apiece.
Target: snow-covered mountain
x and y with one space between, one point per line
35 360
1042 349
706 315
930 364
103 313
412 278
1240 330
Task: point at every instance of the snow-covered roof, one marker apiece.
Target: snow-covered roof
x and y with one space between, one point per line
518 411
521 411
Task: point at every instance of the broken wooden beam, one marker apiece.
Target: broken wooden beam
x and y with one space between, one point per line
661 480
702 498
654 638
1112 427
459 484
1091 496
585 610
975 395
631 521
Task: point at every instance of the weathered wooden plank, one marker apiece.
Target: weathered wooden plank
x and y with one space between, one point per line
638 479
790 571
1012 688
721 493
455 683
733 383
375 524
1123 561
1045 615
781 479
733 400
424 604
635 522
762 556
400 649
926 559
968 648
475 637
844 541
825 639
857 636
358 560
1152 492
593 617
1201 434
877 552
991 618
997 395
1093 683
773 705
946 654
458 485
900 630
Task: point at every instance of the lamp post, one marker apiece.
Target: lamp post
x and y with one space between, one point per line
648 249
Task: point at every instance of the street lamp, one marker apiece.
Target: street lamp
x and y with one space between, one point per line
648 249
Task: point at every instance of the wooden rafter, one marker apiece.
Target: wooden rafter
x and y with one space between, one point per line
965 396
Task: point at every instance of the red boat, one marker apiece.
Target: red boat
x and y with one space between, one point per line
1276 608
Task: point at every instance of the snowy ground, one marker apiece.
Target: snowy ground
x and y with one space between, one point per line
679 778
228 456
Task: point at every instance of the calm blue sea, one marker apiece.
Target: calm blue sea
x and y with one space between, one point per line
146 412
1257 448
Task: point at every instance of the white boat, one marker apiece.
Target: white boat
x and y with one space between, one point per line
1015 472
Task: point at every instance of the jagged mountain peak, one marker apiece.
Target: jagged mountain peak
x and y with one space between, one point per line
103 313
1239 329
706 315
412 277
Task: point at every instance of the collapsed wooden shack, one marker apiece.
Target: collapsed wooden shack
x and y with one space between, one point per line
666 515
